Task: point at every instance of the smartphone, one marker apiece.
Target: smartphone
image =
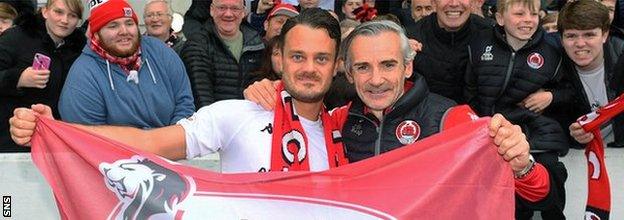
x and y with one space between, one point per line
41 62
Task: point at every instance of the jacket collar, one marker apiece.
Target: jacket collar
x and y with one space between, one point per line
500 35
251 38
450 36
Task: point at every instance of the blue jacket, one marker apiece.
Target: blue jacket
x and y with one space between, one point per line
96 91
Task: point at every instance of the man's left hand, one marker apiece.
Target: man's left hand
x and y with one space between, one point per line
512 143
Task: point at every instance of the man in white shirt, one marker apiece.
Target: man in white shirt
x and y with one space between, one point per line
243 132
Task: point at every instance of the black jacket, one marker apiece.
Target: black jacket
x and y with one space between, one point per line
498 78
614 81
18 46
360 131
444 56
213 71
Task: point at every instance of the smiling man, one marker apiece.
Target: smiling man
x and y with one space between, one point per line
157 16
221 55
122 78
445 36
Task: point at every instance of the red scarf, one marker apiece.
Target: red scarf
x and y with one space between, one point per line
599 191
289 151
128 63
365 13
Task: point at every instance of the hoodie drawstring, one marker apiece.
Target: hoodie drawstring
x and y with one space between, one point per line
150 70
110 77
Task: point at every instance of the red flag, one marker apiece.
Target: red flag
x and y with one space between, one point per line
599 190
454 175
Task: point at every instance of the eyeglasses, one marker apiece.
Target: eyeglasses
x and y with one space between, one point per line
224 8
155 15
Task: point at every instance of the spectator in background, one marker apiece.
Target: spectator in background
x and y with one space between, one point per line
270 63
195 16
347 26
610 4
258 17
7 15
421 9
123 78
51 33
596 73
445 36
549 23
157 16
277 17
308 3
476 7
219 57
348 6
25 9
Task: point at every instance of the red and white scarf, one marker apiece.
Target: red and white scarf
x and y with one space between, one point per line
289 151
599 190
128 63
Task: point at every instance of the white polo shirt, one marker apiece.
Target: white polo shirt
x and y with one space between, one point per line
241 131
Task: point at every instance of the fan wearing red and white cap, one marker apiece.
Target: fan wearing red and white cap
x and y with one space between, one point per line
277 16
124 78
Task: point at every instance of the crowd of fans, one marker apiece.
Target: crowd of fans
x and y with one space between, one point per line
539 63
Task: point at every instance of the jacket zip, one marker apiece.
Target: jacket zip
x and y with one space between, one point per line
378 128
378 142
507 77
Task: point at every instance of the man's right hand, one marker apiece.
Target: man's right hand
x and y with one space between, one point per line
32 78
24 120
264 6
262 92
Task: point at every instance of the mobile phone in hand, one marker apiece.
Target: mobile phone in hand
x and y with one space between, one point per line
41 62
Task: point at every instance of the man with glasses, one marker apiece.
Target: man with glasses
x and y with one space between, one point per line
157 16
221 54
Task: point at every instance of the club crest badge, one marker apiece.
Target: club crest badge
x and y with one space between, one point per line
487 55
535 60
407 132
127 12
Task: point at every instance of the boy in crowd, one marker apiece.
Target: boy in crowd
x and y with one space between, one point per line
595 73
510 67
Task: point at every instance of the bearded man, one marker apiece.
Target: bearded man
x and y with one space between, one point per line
123 78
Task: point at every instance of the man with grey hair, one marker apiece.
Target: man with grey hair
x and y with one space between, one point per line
404 112
392 112
158 16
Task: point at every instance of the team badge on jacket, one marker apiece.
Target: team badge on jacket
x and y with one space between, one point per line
487 55
407 132
535 60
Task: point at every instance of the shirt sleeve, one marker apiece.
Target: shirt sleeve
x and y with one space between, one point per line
202 132
535 186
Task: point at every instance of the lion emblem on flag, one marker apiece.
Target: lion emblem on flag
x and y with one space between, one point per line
145 189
